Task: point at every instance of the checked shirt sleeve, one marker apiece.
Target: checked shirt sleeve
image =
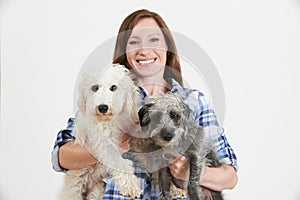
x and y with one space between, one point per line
63 136
205 116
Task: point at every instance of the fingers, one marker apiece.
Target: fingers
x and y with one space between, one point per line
176 155
125 141
124 136
132 128
179 160
179 167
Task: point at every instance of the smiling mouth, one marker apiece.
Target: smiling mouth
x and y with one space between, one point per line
146 62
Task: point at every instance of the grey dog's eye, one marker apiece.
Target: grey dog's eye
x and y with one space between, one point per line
95 88
113 88
174 115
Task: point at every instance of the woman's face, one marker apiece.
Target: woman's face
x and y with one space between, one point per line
146 49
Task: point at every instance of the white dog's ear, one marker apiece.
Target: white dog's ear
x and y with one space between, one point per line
81 98
133 103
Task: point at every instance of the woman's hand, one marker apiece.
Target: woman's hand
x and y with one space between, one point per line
179 167
125 141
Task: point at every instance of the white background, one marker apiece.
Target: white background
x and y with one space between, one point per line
255 46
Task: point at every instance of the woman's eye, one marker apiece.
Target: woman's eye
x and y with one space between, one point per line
113 88
133 42
154 39
95 88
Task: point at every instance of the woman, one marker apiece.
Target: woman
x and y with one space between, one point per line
146 46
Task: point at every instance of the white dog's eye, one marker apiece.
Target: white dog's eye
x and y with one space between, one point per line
113 88
95 88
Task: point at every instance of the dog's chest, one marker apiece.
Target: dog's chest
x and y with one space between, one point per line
103 133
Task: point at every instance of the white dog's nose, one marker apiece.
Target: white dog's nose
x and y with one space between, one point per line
103 108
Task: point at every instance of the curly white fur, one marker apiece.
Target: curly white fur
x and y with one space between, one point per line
98 128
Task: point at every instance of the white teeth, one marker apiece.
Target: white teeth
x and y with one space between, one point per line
146 61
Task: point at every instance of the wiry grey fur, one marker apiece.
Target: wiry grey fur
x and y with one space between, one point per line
166 126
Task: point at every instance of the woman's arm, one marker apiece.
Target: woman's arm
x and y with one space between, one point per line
215 178
74 156
68 155
219 178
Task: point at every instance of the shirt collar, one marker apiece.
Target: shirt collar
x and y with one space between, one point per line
176 87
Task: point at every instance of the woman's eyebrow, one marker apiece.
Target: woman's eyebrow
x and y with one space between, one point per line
133 37
154 34
137 36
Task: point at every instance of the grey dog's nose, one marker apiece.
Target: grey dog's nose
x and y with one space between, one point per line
103 108
166 135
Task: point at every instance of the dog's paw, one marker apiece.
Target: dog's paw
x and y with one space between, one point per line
162 197
177 192
131 192
130 187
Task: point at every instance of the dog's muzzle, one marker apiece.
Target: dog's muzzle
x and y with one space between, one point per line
166 135
103 108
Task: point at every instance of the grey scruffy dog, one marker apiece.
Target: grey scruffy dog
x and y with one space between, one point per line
166 126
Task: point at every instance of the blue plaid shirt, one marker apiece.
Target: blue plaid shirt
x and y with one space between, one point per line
201 113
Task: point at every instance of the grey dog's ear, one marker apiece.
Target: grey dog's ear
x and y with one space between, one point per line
186 110
144 116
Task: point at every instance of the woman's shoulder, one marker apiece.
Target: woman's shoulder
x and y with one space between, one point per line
192 94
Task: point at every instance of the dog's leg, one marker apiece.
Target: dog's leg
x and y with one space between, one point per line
195 171
127 183
177 190
121 170
164 178
97 192
125 179
74 185
208 194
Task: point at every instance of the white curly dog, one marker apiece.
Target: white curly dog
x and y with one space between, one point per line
108 104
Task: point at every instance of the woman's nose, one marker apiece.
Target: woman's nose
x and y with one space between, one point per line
144 51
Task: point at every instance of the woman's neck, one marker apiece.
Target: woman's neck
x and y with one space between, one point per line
154 88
